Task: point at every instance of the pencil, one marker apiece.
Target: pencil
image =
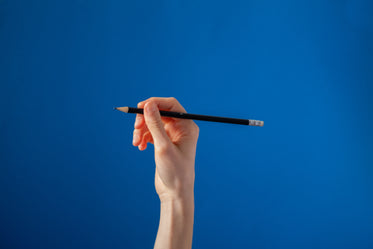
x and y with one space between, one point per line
183 115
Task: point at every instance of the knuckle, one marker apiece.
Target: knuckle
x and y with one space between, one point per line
151 101
147 135
196 127
141 104
144 102
193 126
173 100
196 130
154 123
136 132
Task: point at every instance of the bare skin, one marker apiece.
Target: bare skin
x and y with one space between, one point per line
175 143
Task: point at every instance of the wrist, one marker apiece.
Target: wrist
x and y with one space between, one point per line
179 210
184 198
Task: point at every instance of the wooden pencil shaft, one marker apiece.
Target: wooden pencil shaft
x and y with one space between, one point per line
194 116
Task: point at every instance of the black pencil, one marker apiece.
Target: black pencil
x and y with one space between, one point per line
250 122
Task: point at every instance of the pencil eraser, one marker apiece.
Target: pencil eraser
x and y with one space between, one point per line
256 123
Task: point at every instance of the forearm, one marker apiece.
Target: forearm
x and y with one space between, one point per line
176 224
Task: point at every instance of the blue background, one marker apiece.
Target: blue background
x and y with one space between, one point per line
70 177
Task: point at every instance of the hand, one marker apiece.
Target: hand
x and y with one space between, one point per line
175 142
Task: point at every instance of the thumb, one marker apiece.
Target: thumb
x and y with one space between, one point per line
155 125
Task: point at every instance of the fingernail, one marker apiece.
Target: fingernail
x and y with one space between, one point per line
135 138
151 107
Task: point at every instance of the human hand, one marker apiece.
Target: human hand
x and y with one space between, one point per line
175 142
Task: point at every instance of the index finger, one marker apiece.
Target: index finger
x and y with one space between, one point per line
166 104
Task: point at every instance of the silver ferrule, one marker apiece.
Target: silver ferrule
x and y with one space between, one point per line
253 122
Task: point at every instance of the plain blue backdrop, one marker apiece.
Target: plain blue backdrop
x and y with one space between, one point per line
70 177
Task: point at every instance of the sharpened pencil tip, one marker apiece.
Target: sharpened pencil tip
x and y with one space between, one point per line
122 109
